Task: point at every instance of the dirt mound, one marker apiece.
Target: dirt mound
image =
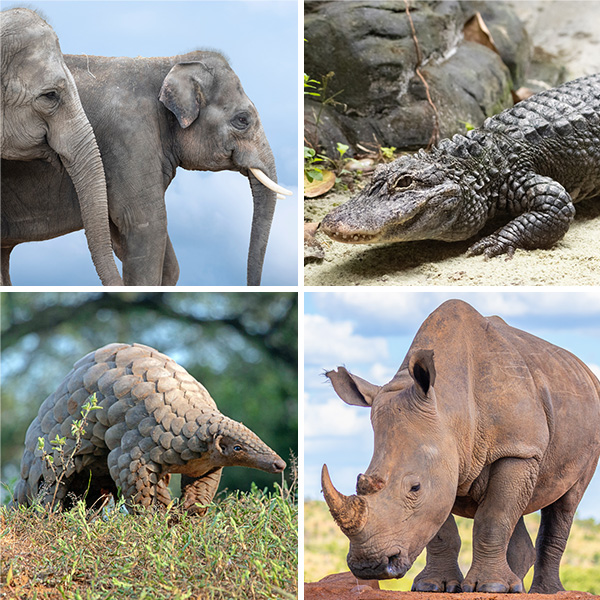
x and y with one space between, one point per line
342 586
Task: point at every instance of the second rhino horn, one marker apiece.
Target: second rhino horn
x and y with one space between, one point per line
349 512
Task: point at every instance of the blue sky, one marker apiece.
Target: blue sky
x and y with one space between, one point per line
209 214
369 333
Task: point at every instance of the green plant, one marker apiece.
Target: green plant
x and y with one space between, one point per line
388 153
60 462
245 547
311 171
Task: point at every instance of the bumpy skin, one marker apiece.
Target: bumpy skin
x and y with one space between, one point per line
484 421
533 161
155 419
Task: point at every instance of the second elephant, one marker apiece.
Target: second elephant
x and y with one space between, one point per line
151 115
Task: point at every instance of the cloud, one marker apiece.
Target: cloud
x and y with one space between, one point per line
330 343
595 369
319 416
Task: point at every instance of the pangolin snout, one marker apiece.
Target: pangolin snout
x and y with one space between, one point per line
278 465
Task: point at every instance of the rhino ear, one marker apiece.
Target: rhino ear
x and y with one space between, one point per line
422 369
352 389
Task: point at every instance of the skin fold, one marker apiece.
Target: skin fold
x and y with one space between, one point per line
484 421
42 118
152 115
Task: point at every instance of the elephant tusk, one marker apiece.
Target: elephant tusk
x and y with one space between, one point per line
280 196
262 177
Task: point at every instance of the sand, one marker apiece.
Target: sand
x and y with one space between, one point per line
568 30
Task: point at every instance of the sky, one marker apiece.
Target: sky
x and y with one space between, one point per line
209 214
369 332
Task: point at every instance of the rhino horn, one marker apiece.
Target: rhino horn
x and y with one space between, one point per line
369 484
349 512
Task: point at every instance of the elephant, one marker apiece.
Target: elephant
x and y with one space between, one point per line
42 119
150 116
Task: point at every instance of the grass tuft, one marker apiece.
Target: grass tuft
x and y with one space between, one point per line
244 547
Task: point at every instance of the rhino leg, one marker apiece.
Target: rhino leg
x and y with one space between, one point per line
552 537
199 490
508 491
441 573
521 553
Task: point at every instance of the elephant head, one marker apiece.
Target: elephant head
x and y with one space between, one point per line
219 129
42 118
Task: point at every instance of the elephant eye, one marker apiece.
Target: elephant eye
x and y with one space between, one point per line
416 487
241 121
51 96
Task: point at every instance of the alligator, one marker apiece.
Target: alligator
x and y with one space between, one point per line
532 161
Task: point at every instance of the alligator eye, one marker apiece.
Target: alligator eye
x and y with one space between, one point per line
404 181
237 448
416 487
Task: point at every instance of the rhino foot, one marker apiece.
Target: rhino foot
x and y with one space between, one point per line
509 583
434 580
452 587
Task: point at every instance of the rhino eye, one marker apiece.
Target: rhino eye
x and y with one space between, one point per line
416 487
404 181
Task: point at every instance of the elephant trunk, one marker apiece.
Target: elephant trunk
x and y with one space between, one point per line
75 144
264 199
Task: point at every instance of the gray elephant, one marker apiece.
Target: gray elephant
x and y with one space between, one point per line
42 118
152 115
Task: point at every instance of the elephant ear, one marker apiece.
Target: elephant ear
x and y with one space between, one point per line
184 90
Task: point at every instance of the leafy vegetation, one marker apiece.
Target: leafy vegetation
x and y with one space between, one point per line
325 549
245 547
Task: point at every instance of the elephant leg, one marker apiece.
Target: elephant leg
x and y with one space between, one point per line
140 229
511 483
170 265
5 259
441 573
200 490
521 553
553 534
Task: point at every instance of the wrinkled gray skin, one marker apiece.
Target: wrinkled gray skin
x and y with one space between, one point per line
151 115
483 421
154 419
42 118
532 161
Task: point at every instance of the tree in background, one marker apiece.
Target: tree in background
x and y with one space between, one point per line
243 347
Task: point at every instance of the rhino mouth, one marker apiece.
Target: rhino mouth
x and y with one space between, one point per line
392 567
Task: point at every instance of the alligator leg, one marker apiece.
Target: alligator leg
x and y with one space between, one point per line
547 211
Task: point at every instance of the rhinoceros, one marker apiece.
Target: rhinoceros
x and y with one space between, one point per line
482 420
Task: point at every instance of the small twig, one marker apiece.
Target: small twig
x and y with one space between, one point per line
435 134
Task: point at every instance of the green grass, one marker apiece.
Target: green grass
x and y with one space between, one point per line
244 547
325 549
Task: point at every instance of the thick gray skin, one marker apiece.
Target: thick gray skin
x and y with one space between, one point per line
534 160
155 419
481 420
150 115
42 118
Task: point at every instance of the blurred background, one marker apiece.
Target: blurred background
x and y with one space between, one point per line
243 347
